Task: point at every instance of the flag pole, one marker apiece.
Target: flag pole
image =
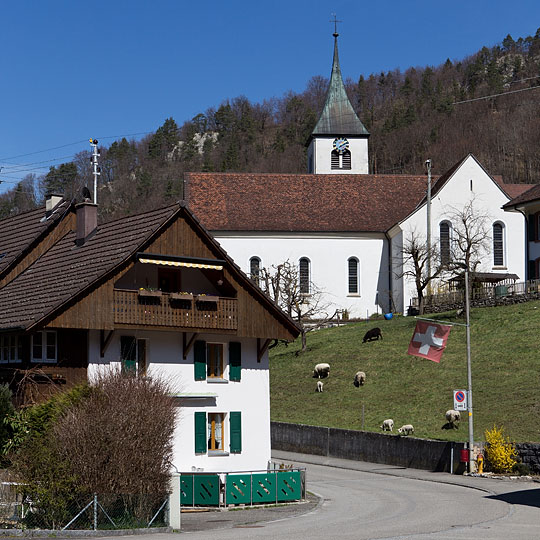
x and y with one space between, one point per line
469 375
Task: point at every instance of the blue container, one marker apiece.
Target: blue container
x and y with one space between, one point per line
388 316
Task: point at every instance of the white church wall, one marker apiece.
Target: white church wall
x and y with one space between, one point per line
250 396
322 151
470 182
328 255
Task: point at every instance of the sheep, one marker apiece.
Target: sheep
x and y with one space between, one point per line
387 425
370 335
319 386
407 429
359 379
321 371
453 418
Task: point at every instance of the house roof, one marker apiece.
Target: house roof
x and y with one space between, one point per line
20 232
67 271
302 202
530 195
338 116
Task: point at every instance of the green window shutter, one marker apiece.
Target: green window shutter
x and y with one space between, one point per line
235 361
128 354
200 433
199 353
236 432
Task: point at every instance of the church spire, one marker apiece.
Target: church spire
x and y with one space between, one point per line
338 117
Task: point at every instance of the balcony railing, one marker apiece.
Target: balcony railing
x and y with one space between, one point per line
216 313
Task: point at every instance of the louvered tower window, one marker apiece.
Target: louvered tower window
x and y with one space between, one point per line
304 275
340 161
498 244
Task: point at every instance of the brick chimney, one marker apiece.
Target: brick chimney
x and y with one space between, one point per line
86 221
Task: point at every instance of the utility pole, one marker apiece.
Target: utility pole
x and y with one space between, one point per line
428 207
469 374
96 170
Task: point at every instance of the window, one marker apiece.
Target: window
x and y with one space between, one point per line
304 276
10 349
214 360
44 347
444 239
211 436
210 363
498 244
215 431
255 268
353 275
133 355
340 161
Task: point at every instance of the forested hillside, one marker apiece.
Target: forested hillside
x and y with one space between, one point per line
412 116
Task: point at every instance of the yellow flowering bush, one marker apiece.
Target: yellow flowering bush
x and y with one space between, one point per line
500 450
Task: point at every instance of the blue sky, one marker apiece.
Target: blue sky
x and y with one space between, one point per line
72 70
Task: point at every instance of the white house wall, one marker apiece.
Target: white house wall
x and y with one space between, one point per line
250 396
468 182
328 255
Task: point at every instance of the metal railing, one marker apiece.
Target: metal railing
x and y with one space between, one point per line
242 488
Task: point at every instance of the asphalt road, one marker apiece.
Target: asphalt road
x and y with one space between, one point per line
371 501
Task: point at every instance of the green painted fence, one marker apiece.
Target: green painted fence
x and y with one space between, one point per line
254 487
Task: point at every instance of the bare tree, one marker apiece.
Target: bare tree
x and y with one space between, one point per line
415 256
282 283
470 240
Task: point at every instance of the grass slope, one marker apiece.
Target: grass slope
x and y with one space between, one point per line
505 352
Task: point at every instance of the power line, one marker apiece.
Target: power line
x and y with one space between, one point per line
496 95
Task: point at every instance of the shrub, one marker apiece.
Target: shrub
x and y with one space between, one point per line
501 452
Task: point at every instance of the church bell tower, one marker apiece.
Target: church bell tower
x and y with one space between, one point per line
339 142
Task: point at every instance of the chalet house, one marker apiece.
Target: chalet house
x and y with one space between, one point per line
345 228
154 295
528 204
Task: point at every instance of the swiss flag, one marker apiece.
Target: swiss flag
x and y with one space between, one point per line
429 340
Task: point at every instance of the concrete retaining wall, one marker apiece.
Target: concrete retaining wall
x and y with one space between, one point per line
367 446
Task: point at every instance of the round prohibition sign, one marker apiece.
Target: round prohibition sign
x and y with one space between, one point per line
460 397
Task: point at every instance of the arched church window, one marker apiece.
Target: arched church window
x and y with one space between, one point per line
341 155
498 244
444 241
304 272
255 268
353 275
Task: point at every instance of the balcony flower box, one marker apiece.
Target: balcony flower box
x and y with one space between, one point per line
207 298
149 294
181 296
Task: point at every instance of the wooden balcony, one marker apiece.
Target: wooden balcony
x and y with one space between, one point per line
212 313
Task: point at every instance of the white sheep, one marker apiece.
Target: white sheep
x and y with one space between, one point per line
359 379
319 386
407 429
387 425
453 418
321 371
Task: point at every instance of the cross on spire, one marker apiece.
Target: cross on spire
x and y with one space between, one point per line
335 21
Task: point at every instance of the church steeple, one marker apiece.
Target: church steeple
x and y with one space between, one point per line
338 143
338 116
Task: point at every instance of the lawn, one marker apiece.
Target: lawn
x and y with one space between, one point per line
505 352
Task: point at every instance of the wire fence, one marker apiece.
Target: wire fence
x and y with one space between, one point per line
90 512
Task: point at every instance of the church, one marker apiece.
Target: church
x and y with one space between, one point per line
345 228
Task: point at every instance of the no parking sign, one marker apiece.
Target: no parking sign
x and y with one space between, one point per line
460 400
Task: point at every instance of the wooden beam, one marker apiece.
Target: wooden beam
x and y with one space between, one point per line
104 341
262 349
187 347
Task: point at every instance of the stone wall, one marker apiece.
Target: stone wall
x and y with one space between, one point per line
367 446
530 455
